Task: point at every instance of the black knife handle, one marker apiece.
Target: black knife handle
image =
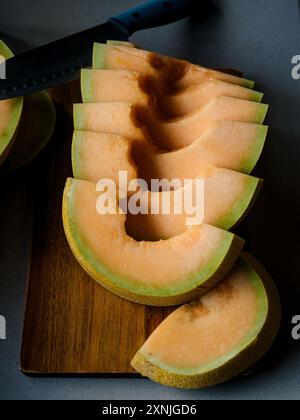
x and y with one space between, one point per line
155 13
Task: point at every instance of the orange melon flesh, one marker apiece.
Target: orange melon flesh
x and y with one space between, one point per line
228 198
228 194
156 66
128 119
10 113
129 86
112 86
193 261
245 142
217 337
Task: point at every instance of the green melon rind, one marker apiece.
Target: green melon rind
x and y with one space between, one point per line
193 287
8 136
77 162
242 206
79 117
120 43
256 96
99 62
86 86
261 114
250 351
250 162
30 142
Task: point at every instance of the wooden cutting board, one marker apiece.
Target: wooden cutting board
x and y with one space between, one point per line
72 325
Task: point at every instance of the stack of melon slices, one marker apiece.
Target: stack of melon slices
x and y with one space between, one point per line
158 117
26 125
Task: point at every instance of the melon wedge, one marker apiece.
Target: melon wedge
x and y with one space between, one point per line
223 334
192 262
10 113
229 195
156 66
35 131
130 86
133 121
229 145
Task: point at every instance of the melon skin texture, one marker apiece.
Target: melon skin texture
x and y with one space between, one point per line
10 114
35 131
150 64
263 324
194 262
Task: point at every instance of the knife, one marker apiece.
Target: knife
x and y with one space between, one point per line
61 61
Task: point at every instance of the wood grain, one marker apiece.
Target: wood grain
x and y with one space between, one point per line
72 325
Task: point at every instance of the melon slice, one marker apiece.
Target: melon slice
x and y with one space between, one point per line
192 262
156 66
36 129
133 121
129 86
223 334
10 113
229 145
229 195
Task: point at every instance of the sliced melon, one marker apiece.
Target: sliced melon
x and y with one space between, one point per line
10 114
228 198
196 97
130 120
228 194
129 86
229 145
192 262
35 131
153 65
114 117
217 337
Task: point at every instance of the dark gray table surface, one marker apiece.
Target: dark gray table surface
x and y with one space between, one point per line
259 37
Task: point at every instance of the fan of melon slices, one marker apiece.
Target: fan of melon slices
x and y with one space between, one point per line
156 117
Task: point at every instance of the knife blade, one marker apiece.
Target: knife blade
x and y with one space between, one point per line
61 61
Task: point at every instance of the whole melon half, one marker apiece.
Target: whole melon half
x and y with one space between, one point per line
35 131
162 273
213 339
10 113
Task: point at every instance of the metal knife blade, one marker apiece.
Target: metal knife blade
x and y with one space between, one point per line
57 62
61 61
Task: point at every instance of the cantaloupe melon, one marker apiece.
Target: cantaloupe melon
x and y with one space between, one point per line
223 334
130 86
228 194
36 129
162 273
178 73
10 114
228 198
229 145
136 122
